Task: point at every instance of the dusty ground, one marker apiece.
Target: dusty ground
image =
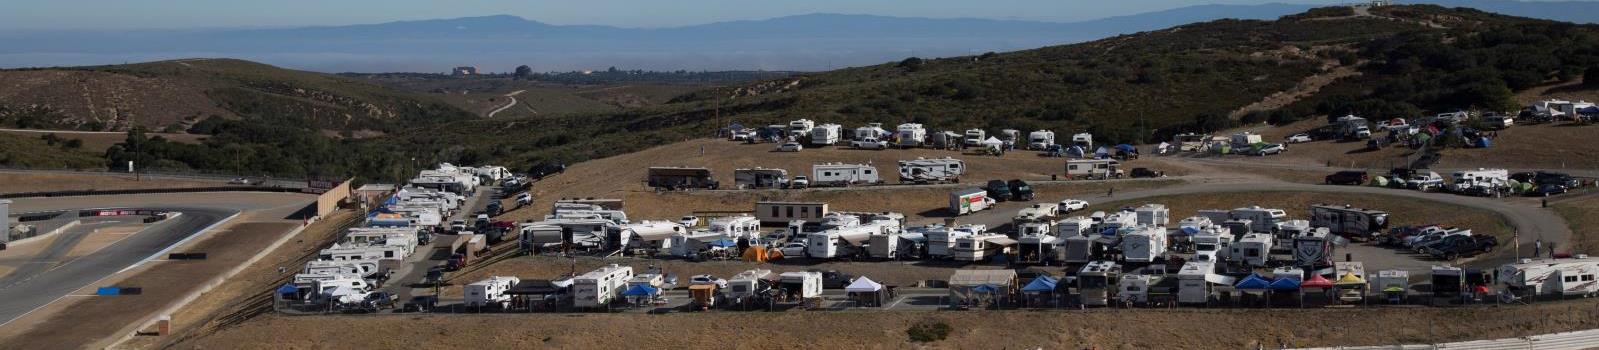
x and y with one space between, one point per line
1105 329
1582 213
14 182
624 177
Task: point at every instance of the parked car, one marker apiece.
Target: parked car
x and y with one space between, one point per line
1348 177
1071 205
1020 190
1549 190
799 182
1146 173
790 147
689 221
793 249
998 190
869 144
1298 138
1553 178
1455 247
707 279
240 181
524 199
1275 148
421 303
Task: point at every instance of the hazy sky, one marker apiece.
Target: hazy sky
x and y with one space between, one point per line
145 14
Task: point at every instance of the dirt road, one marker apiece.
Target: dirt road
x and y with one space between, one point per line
512 96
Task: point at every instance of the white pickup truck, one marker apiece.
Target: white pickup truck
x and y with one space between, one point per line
869 143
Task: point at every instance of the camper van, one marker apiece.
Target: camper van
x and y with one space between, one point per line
1143 244
1481 182
1093 169
599 287
676 178
1096 281
941 239
911 135
1552 277
759 178
839 174
938 170
974 138
981 247
826 134
1355 223
490 292
1040 140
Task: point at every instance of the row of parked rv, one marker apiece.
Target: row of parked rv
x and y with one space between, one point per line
907 135
1475 182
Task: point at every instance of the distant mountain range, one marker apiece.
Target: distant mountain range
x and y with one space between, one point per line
499 43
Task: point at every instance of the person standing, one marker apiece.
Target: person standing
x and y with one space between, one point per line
1537 247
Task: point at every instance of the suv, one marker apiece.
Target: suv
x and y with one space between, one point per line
1553 178
799 182
998 190
1348 177
1020 190
1146 172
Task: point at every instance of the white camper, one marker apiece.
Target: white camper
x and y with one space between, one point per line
1093 169
800 128
1253 249
840 174
804 285
1261 219
827 134
749 283
1195 282
1574 276
872 131
490 292
1143 244
599 287
1040 140
911 135
1135 287
1313 248
842 241
1153 215
739 226
981 247
1073 226
937 170
1084 140
1483 182
974 138
941 239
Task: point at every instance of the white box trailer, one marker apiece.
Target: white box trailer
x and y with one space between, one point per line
599 287
490 292
1552 277
757 178
1144 244
910 135
839 174
1040 140
827 134
970 200
804 285
937 170
1349 221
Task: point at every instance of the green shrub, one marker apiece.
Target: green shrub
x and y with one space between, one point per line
929 331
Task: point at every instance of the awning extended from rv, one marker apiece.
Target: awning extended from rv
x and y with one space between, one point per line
288 289
1042 284
535 287
1001 240
863 285
724 243
639 290
660 235
1220 279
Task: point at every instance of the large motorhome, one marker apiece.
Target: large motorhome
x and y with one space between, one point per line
1213 246
839 174
937 170
1096 281
758 178
873 131
1558 277
677 178
1040 140
910 135
941 239
490 292
801 128
1355 223
826 134
599 287
1143 244
1084 140
981 247
651 236
1093 169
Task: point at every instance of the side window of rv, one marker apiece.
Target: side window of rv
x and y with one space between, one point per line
1571 278
1587 278
774 211
790 211
1071 167
867 172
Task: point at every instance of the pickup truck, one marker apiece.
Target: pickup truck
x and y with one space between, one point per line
869 143
1455 247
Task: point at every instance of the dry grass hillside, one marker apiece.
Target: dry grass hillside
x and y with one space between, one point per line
117 101
1097 329
624 177
11 182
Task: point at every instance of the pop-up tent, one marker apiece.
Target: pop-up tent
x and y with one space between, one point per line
866 292
1042 284
640 290
724 243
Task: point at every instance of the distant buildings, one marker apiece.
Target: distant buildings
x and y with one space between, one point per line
464 70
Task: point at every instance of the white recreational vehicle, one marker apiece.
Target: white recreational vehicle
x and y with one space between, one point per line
941 239
974 138
734 227
1037 247
756 178
827 134
872 131
1143 244
1552 277
801 128
749 283
1213 245
363 268
1093 169
981 247
1196 281
1096 280
911 135
1153 215
1261 219
839 174
804 285
652 236
1040 140
1482 182
1253 249
599 287
937 170
1039 212
1135 287
490 292
1313 249
1073 226
841 242
1084 140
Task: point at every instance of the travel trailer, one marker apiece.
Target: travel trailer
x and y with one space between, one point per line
941 239
826 134
739 226
1481 182
1135 287
490 292
652 236
1245 140
599 287
801 128
1083 249
802 285
1260 219
967 201
1153 215
895 245
748 284
1196 282
1355 223
1213 246
1039 212
676 178
1313 249
839 174
1035 248
1253 249
937 170
1096 281
1143 244
1040 140
1093 169
1557 277
1073 226
911 135
841 242
981 247
974 137
759 178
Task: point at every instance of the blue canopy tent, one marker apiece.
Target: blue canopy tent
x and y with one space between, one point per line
640 290
1101 153
1127 148
724 243
1284 284
1042 284
1253 282
288 288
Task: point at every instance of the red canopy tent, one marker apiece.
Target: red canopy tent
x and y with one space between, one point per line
1315 281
